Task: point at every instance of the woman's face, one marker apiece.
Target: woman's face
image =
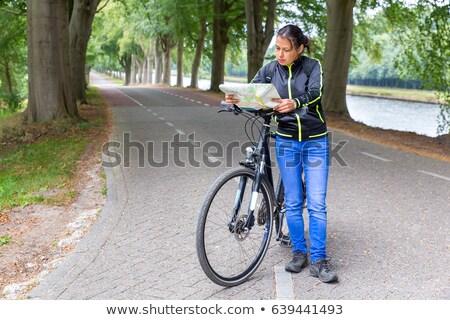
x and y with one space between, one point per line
286 53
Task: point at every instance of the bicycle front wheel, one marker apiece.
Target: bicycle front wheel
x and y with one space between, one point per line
229 253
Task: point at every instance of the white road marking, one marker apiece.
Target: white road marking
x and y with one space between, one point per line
181 132
194 143
169 124
434 175
376 157
211 158
283 283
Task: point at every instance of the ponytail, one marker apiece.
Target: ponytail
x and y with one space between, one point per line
296 36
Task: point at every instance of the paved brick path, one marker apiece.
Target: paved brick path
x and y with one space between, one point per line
388 223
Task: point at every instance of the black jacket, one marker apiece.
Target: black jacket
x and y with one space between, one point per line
303 82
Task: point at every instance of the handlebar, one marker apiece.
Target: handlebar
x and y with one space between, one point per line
225 107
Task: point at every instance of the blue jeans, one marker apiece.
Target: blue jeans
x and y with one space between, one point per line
311 158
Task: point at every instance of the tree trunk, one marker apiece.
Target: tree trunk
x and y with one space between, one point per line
150 69
158 61
220 43
145 68
180 47
166 66
150 57
167 44
258 39
80 28
8 78
125 62
49 79
198 54
140 70
338 48
133 70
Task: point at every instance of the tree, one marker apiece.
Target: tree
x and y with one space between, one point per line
424 32
114 39
12 59
161 17
338 48
167 42
226 14
258 37
80 27
204 10
49 79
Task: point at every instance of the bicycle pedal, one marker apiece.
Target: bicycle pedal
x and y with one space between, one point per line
285 241
285 244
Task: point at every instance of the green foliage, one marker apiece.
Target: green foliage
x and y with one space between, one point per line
310 16
13 6
374 51
423 30
424 34
5 240
12 61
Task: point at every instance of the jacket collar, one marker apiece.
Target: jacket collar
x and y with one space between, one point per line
296 64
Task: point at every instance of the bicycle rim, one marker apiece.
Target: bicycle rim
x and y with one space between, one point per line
228 254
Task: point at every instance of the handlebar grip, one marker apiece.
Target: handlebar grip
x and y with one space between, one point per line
225 107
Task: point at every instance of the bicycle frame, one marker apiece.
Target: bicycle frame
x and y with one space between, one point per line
234 230
262 165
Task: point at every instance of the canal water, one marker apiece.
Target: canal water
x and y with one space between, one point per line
422 118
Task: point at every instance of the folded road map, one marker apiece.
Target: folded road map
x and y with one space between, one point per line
253 95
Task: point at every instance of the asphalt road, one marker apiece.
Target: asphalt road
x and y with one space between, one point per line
388 212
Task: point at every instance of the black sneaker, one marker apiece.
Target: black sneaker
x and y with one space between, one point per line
298 262
322 269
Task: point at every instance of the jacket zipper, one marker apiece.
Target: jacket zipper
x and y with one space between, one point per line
299 123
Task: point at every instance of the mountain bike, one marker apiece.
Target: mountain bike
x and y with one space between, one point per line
241 209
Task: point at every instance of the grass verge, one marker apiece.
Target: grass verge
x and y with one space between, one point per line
38 162
394 93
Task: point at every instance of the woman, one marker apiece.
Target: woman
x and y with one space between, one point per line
301 146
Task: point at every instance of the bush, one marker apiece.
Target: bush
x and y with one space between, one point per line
12 102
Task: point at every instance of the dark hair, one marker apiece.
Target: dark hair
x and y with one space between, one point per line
295 35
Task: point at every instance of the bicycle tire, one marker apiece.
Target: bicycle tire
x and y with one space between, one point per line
227 254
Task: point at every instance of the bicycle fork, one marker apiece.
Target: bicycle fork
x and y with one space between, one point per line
242 223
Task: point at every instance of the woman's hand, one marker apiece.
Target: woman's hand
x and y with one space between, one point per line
285 105
231 99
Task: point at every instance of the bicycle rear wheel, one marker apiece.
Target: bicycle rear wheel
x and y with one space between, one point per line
228 253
